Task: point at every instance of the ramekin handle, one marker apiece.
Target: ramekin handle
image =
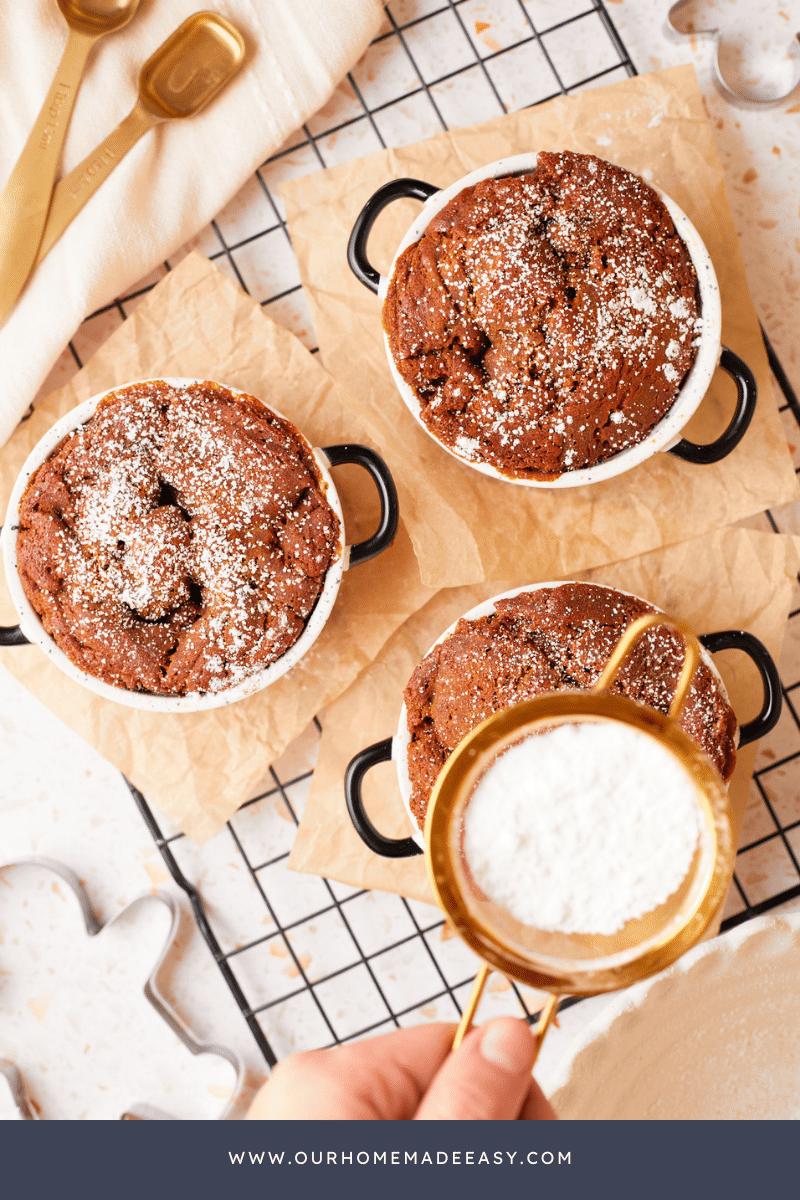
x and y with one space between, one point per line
384 535
728 440
395 189
12 635
737 639
357 768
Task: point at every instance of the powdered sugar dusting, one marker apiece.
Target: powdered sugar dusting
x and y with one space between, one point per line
178 541
537 306
549 640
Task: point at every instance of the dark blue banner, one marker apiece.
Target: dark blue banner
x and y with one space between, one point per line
673 1160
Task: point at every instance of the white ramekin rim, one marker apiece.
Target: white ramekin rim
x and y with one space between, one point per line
34 631
667 432
402 737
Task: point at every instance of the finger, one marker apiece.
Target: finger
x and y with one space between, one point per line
380 1079
486 1079
536 1106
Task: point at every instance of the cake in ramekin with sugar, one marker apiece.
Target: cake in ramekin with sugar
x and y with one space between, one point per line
545 320
178 540
549 639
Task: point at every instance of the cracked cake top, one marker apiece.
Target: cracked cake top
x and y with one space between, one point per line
178 541
549 640
545 321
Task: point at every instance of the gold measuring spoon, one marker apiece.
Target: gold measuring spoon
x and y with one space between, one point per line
184 75
25 200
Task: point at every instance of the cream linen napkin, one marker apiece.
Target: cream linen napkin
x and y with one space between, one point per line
179 176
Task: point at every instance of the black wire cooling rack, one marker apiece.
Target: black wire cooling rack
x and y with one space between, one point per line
311 962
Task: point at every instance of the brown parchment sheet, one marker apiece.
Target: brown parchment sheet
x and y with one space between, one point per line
197 768
730 579
466 527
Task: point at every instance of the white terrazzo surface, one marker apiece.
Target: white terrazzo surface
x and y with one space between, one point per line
71 1011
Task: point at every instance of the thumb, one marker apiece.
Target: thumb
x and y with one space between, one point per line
487 1079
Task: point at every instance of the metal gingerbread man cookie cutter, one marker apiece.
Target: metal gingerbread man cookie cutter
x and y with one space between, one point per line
136 1112
678 27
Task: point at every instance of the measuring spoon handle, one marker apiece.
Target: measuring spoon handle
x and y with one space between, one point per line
26 196
72 192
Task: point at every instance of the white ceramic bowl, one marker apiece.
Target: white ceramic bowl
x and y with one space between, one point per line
715 1037
34 631
403 737
667 433
395 749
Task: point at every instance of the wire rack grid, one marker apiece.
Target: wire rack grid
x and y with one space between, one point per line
312 962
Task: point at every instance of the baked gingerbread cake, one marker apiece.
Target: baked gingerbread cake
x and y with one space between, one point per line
546 321
178 541
549 640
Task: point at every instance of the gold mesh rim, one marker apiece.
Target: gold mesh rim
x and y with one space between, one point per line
469 759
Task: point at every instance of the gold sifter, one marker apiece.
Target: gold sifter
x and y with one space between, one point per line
580 964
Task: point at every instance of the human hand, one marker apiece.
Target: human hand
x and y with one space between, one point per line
410 1074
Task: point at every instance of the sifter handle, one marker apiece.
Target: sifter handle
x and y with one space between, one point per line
465 1024
468 1015
628 641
